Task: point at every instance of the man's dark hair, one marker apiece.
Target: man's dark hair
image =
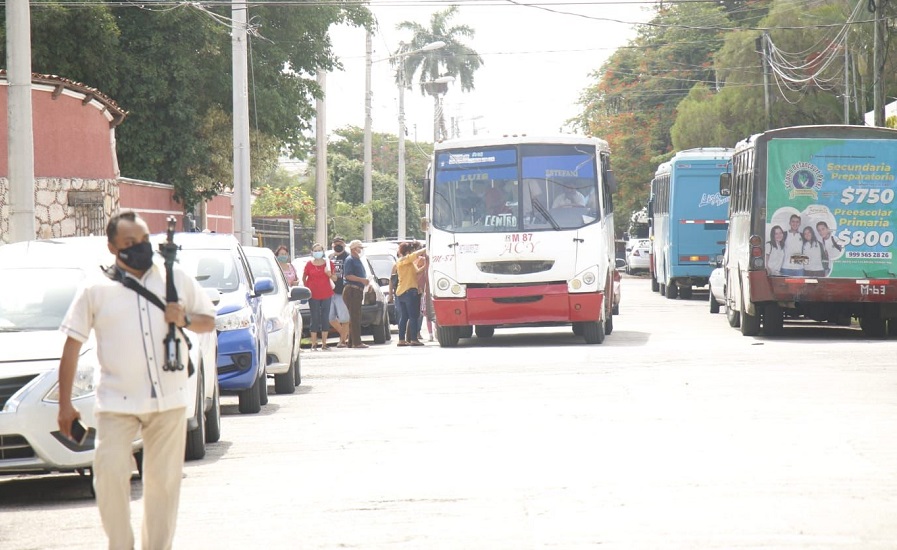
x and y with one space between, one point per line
112 226
337 239
822 223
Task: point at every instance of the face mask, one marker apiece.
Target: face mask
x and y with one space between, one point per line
283 258
317 254
338 248
138 256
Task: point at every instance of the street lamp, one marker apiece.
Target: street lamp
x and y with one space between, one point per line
438 87
400 57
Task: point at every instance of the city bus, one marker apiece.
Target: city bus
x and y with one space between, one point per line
689 220
521 232
811 233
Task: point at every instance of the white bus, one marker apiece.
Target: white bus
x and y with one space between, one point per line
521 232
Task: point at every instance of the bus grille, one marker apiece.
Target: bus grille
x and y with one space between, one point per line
525 267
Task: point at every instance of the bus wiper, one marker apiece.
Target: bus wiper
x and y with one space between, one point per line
542 210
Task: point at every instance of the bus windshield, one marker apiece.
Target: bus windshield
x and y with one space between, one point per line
515 188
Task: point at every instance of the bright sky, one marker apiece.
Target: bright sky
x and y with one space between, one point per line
535 65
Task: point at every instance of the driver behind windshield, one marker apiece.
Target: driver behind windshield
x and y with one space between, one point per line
569 197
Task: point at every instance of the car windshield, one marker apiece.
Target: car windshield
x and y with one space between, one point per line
381 264
36 299
212 268
264 267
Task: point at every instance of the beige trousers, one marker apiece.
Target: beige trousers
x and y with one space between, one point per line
164 437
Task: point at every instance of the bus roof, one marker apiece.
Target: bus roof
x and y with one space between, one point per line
516 139
702 153
835 131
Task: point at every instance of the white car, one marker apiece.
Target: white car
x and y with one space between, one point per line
717 289
38 280
638 255
283 321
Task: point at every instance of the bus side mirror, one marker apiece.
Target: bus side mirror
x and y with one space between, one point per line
725 182
611 182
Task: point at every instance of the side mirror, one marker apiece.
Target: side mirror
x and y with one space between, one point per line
384 281
299 293
621 263
720 259
213 295
725 184
263 285
611 181
424 224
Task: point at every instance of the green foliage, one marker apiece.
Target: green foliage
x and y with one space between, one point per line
171 70
291 201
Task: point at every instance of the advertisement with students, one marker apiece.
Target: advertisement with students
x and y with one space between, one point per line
830 208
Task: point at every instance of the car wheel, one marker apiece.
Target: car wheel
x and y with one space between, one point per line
593 332
485 331
714 305
263 388
249 399
196 438
213 418
297 368
284 383
378 331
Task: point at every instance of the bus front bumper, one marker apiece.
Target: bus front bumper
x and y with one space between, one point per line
518 305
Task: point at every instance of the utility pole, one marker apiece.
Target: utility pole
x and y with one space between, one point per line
761 47
401 171
321 162
368 186
242 204
846 85
878 62
20 129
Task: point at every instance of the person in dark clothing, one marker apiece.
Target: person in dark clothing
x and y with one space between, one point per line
356 280
339 314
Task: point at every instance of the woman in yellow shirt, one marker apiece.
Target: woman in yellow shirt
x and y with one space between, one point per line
407 293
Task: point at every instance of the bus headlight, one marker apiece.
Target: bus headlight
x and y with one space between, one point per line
584 281
446 287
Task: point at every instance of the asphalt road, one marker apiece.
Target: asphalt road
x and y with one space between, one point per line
677 432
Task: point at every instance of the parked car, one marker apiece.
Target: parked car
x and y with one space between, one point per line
383 264
218 262
374 312
38 281
283 323
638 255
717 289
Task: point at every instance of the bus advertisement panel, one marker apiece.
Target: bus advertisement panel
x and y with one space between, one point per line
830 208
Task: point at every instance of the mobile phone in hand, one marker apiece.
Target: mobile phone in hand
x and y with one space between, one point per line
79 431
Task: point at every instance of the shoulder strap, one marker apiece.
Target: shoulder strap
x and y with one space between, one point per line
153 299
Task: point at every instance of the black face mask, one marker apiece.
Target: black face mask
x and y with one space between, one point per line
138 256
338 248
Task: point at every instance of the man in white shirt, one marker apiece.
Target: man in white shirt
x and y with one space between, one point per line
134 390
793 249
831 248
570 197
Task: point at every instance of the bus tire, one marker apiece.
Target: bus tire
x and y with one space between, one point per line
655 286
892 326
593 332
750 324
662 289
685 292
714 305
732 316
609 324
577 329
672 291
485 331
773 320
447 336
465 332
873 327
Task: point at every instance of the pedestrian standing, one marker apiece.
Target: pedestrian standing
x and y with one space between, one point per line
135 394
426 301
318 277
339 313
407 293
356 281
283 260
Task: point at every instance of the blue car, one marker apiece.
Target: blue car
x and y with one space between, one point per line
218 262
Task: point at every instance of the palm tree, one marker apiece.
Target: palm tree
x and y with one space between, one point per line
455 59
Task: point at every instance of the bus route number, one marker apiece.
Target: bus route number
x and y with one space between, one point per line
872 290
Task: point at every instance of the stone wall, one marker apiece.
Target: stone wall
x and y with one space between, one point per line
65 207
